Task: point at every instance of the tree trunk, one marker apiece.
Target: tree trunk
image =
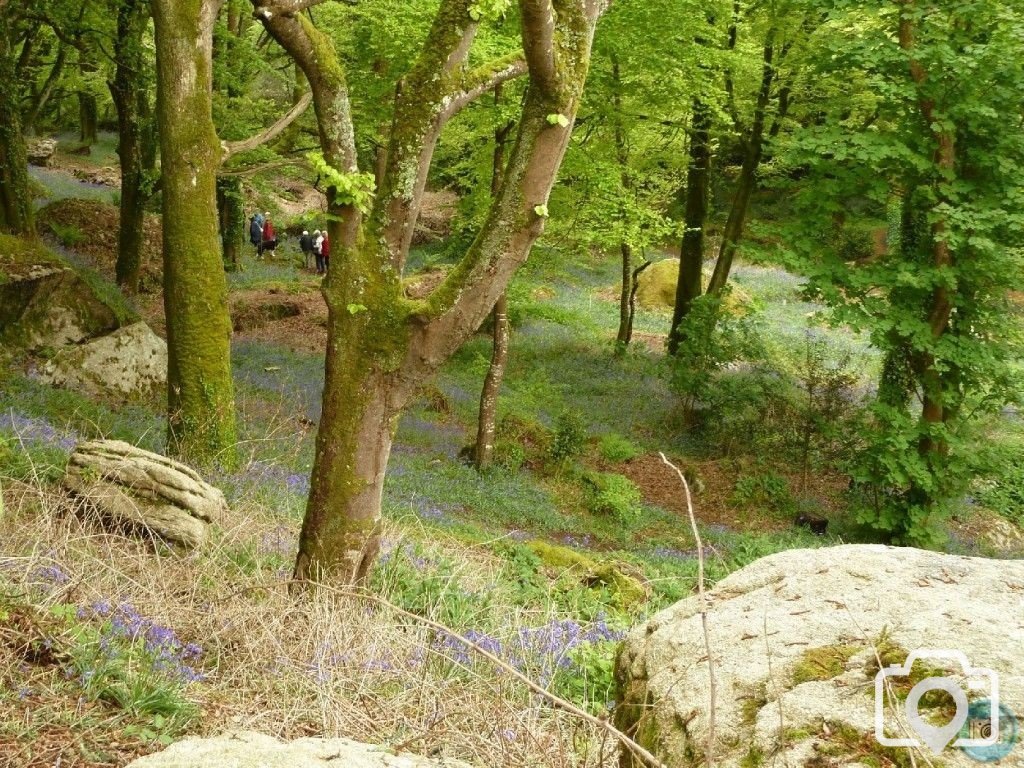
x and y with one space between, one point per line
129 93
622 337
487 423
201 411
231 212
43 98
747 182
691 252
15 205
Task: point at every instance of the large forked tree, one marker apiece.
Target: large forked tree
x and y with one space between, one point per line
382 345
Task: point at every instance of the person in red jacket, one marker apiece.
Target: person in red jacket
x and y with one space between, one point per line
269 236
325 249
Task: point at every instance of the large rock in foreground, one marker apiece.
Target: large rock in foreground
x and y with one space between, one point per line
255 750
797 639
132 487
130 361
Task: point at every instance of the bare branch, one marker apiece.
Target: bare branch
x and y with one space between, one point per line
232 148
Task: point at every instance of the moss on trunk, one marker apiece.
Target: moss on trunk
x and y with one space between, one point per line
15 206
201 412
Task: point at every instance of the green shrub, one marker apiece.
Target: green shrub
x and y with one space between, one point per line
615 447
766 489
614 495
570 437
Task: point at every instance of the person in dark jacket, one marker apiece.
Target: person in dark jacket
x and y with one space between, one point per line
306 246
256 233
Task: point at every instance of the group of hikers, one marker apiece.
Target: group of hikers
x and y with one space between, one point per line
316 248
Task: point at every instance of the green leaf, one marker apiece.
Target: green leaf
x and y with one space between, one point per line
556 118
355 309
541 210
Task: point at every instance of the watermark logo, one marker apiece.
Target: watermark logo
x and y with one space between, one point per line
974 728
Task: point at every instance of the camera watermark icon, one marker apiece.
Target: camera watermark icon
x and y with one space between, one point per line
981 734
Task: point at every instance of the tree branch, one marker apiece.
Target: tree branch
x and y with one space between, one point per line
538 19
483 80
232 148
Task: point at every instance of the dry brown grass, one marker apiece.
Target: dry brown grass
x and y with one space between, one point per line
312 665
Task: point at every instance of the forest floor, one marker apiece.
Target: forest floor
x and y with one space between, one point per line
510 558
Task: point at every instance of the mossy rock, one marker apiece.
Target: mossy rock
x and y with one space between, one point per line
45 302
629 592
657 290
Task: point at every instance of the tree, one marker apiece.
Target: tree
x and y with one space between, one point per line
923 135
15 205
200 395
136 142
382 346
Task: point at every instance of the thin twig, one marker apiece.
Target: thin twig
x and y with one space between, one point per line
702 598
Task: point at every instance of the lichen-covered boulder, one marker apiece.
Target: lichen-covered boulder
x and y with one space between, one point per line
131 361
256 750
797 639
128 486
44 302
40 151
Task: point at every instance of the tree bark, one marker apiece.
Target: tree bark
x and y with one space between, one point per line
691 252
381 345
201 411
15 205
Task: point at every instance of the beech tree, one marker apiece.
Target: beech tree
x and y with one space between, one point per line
382 345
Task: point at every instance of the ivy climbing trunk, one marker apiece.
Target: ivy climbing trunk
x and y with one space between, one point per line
200 401
134 137
15 206
691 252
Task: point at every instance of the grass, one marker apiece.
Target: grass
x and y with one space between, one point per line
473 551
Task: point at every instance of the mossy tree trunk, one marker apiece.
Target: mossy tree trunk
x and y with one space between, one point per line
382 346
201 411
15 206
231 212
134 137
